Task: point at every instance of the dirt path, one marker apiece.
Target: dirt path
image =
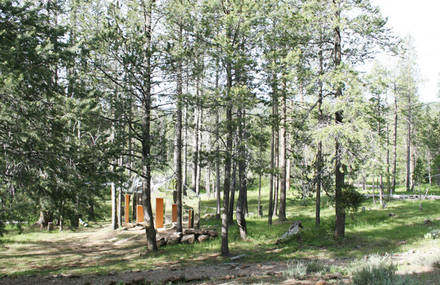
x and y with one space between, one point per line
229 273
101 246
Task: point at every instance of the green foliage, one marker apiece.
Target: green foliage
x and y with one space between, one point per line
351 198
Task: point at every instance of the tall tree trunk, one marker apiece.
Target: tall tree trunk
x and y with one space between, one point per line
120 206
388 160
260 210
429 160
381 192
233 189
393 189
114 207
272 148
179 143
185 149
408 146
217 166
319 161
196 146
339 167
228 159
150 231
217 143
283 158
241 211
277 163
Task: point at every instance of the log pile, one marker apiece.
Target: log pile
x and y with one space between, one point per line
189 236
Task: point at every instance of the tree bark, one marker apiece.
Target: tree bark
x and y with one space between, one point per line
283 159
228 159
233 189
179 143
393 189
272 149
319 162
408 146
217 143
150 231
114 207
241 201
339 167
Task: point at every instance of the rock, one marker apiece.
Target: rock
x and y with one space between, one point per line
293 230
191 231
174 238
188 238
130 225
427 222
237 257
202 238
161 241
161 230
212 233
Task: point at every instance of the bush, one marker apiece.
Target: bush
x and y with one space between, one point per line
296 270
351 199
315 267
374 274
381 274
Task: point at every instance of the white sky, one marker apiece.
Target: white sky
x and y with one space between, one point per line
420 19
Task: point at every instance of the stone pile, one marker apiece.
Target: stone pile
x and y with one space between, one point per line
189 236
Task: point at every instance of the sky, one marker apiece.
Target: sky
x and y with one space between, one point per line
421 20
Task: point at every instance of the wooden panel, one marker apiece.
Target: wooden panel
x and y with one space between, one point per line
127 208
190 218
159 213
174 213
139 214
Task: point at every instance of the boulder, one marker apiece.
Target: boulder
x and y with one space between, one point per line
202 238
293 230
212 233
174 238
188 238
161 241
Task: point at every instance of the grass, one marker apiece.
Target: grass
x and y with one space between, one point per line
372 232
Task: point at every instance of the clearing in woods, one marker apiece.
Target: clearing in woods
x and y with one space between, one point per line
100 255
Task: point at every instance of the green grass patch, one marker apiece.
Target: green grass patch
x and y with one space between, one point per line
398 227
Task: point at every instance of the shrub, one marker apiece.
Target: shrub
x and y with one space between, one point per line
315 267
295 270
380 274
351 199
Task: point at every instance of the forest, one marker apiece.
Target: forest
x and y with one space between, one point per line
239 106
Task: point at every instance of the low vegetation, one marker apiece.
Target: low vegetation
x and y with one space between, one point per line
375 232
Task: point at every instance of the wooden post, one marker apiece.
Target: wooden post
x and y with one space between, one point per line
174 213
190 218
127 208
159 213
139 214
